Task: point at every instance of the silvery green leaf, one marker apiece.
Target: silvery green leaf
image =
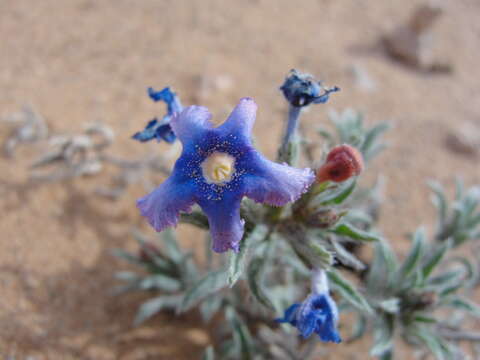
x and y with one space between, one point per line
414 256
126 276
357 216
171 246
447 278
437 346
210 307
346 257
387 356
208 354
237 260
391 305
383 335
422 318
450 289
153 306
122 254
348 291
434 260
241 335
369 147
464 304
254 277
160 281
359 328
312 253
157 258
335 195
469 268
346 229
195 218
327 136
211 283
132 280
383 269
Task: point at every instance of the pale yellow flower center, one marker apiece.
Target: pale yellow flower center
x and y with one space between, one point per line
218 168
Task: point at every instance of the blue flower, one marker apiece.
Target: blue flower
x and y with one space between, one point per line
317 314
217 168
156 129
302 89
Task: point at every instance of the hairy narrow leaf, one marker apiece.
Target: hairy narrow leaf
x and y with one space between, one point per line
237 260
383 269
208 354
159 281
210 306
209 284
254 276
336 196
440 202
171 246
465 305
241 334
312 254
437 346
414 257
434 260
153 306
383 336
359 328
122 254
391 305
346 229
196 218
346 257
348 291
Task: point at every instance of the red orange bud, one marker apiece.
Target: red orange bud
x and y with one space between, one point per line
343 162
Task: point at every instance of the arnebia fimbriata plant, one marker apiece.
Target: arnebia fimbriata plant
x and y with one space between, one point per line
282 266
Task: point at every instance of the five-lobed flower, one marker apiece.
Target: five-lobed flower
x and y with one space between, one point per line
217 168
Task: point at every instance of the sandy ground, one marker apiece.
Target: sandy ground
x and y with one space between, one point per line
78 61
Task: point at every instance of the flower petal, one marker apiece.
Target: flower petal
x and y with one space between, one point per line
241 119
327 312
289 315
275 184
327 332
163 205
226 226
191 123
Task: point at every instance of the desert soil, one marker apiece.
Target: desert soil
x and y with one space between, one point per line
79 61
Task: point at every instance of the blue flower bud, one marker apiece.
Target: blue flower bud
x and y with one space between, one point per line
302 89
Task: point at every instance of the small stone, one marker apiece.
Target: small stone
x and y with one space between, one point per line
465 139
411 43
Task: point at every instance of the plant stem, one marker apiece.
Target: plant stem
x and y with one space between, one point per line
290 132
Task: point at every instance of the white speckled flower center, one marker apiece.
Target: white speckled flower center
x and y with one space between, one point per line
218 168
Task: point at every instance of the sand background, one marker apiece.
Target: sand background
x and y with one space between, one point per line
78 61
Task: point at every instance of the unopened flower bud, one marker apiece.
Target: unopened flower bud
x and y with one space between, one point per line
302 90
343 162
323 219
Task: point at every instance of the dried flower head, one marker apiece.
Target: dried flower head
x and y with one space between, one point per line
343 162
